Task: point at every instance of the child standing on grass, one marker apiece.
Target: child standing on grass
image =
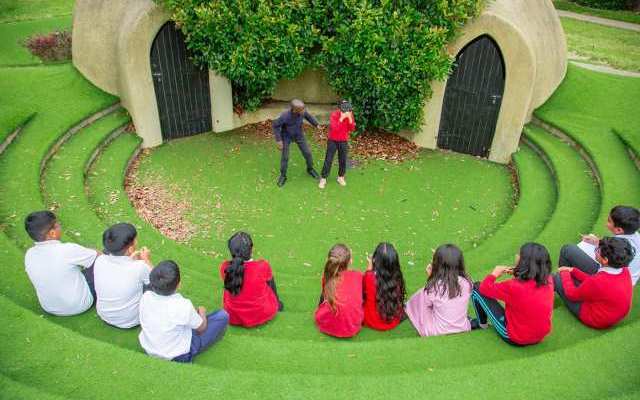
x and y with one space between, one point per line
384 289
61 273
528 298
341 124
121 274
601 300
172 329
340 311
624 223
440 308
250 294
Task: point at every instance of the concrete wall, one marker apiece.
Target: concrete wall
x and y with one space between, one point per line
113 38
311 86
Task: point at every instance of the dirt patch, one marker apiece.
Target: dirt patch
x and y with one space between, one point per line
157 205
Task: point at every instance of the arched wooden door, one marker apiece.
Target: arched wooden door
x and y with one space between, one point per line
182 89
472 99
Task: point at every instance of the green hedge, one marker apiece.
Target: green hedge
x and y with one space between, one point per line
381 54
605 4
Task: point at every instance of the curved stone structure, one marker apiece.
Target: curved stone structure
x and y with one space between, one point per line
113 38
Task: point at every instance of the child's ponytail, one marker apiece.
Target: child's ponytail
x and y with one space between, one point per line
240 247
337 261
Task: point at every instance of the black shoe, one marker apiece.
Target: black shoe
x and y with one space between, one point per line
313 173
282 180
475 324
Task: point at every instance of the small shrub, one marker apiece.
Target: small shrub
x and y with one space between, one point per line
54 46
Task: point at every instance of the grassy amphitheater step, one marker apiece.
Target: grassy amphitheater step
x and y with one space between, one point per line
82 362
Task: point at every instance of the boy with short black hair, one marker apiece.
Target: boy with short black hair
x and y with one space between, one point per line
603 299
172 329
624 223
61 273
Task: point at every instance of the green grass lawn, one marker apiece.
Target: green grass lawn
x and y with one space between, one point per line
619 48
620 15
22 10
229 181
12 52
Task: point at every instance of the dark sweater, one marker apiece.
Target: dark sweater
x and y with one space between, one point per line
289 124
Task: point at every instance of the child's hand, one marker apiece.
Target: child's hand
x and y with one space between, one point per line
568 269
202 311
428 270
591 239
369 263
501 269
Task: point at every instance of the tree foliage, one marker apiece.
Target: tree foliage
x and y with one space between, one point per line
381 54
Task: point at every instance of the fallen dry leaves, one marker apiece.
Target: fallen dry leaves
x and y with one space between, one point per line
157 206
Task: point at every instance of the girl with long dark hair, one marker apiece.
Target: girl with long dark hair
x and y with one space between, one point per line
440 308
250 295
528 298
340 311
384 289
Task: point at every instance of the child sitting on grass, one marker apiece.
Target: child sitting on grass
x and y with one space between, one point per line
528 297
121 274
340 311
341 124
384 289
250 295
601 300
624 223
172 329
440 308
61 273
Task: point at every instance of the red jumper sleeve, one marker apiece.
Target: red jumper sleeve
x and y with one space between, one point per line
490 288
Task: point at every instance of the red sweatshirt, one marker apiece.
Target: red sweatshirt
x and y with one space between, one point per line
528 307
346 321
372 318
606 298
256 303
339 131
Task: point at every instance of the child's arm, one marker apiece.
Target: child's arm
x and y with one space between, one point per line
277 128
203 326
311 119
576 293
578 274
490 288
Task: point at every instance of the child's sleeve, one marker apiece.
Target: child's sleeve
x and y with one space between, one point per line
585 291
490 288
145 270
579 274
267 271
191 317
311 119
80 255
277 127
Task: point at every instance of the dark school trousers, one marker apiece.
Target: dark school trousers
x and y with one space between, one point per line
489 309
572 306
572 256
88 276
217 323
342 149
301 141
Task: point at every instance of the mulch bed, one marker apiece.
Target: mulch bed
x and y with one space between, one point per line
156 205
377 145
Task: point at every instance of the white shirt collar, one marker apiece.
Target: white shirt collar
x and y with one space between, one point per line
46 242
609 270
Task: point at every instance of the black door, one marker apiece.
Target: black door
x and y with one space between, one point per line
472 99
182 89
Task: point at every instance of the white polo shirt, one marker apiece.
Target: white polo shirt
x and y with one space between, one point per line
166 323
55 270
119 281
634 265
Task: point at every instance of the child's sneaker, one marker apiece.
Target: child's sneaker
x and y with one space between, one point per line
341 181
475 324
322 184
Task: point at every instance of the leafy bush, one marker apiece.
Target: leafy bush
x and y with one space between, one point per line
605 4
54 46
381 54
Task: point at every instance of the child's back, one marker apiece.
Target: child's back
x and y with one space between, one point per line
434 313
346 319
167 323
